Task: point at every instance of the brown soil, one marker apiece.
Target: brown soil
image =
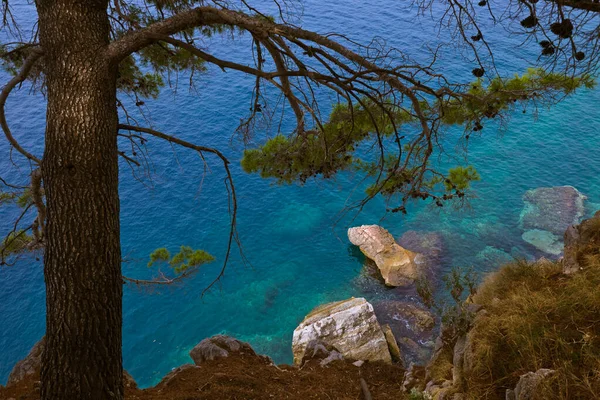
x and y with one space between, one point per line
252 377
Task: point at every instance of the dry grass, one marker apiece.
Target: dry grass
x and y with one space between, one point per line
537 318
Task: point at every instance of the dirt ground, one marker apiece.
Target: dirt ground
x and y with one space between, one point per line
251 377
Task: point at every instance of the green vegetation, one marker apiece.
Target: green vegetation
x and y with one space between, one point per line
339 144
298 158
536 317
501 94
6 197
15 242
181 262
460 284
461 177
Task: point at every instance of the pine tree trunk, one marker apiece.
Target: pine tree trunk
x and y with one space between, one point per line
82 261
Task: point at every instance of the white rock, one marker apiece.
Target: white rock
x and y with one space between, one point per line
349 326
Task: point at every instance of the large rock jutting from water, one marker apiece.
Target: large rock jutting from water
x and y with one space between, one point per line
398 266
547 214
349 326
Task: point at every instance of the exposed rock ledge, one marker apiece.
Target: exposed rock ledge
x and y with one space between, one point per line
30 367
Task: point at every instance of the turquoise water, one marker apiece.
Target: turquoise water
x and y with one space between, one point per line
299 256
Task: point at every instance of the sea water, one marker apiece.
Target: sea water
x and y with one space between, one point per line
297 246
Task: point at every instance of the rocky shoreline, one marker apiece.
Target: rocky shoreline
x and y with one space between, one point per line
399 330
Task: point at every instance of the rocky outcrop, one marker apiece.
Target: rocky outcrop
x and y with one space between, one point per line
128 381
29 365
571 251
218 346
580 239
462 361
398 266
548 213
349 326
32 363
453 358
530 385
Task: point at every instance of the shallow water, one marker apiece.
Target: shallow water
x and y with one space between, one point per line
299 257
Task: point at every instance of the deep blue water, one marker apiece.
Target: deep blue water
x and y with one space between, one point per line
299 257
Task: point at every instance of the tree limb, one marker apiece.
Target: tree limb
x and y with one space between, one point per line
260 27
580 5
163 279
229 184
36 53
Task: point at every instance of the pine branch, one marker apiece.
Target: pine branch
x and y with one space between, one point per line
233 206
35 55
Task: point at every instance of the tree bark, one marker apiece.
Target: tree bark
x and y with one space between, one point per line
82 261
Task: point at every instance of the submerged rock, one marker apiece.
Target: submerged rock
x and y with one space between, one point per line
429 244
406 317
369 280
296 219
552 209
349 326
545 241
218 346
411 325
491 258
398 266
489 230
519 253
